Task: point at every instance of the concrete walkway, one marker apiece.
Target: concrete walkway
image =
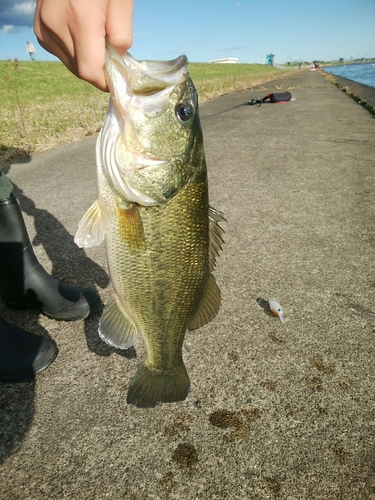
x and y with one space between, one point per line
275 411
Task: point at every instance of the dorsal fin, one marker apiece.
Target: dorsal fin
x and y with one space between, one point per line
216 232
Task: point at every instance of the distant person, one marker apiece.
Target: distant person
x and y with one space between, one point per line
316 65
30 49
74 32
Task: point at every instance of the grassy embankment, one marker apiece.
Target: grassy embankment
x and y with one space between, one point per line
43 105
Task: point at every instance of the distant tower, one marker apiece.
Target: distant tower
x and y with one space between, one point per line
270 59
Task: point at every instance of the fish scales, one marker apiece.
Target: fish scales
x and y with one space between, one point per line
165 279
162 237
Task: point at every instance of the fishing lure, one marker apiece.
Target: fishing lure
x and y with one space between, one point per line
276 310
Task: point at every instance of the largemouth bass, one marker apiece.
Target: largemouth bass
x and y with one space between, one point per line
162 237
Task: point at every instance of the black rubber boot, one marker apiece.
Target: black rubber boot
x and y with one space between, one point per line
23 354
24 283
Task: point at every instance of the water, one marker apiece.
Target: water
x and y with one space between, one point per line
362 73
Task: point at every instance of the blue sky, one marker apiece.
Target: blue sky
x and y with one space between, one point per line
212 29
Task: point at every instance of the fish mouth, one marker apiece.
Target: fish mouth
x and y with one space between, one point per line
141 74
144 78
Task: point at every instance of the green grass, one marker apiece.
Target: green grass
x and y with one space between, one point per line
213 80
43 105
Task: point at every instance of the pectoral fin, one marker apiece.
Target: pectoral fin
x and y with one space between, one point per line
209 305
131 226
115 326
91 228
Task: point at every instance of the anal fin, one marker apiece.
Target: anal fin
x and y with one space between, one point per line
115 326
209 305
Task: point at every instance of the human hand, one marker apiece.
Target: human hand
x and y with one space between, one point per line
75 31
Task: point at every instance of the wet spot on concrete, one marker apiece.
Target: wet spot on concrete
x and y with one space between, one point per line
268 384
346 383
323 366
186 456
225 419
167 482
314 383
277 339
340 452
272 485
240 423
179 425
233 356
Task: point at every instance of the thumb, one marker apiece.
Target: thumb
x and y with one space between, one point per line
119 24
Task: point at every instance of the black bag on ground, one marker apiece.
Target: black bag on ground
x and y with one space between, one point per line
278 97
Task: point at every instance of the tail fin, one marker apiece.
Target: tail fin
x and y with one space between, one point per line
148 387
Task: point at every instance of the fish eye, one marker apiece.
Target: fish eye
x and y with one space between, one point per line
184 111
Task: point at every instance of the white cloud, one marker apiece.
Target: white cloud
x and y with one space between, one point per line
7 28
25 8
16 13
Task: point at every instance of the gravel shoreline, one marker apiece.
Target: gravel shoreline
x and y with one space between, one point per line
364 92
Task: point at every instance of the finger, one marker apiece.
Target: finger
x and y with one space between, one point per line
89 52
44 31
119 24
79 43
81 63
60 46
53 47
